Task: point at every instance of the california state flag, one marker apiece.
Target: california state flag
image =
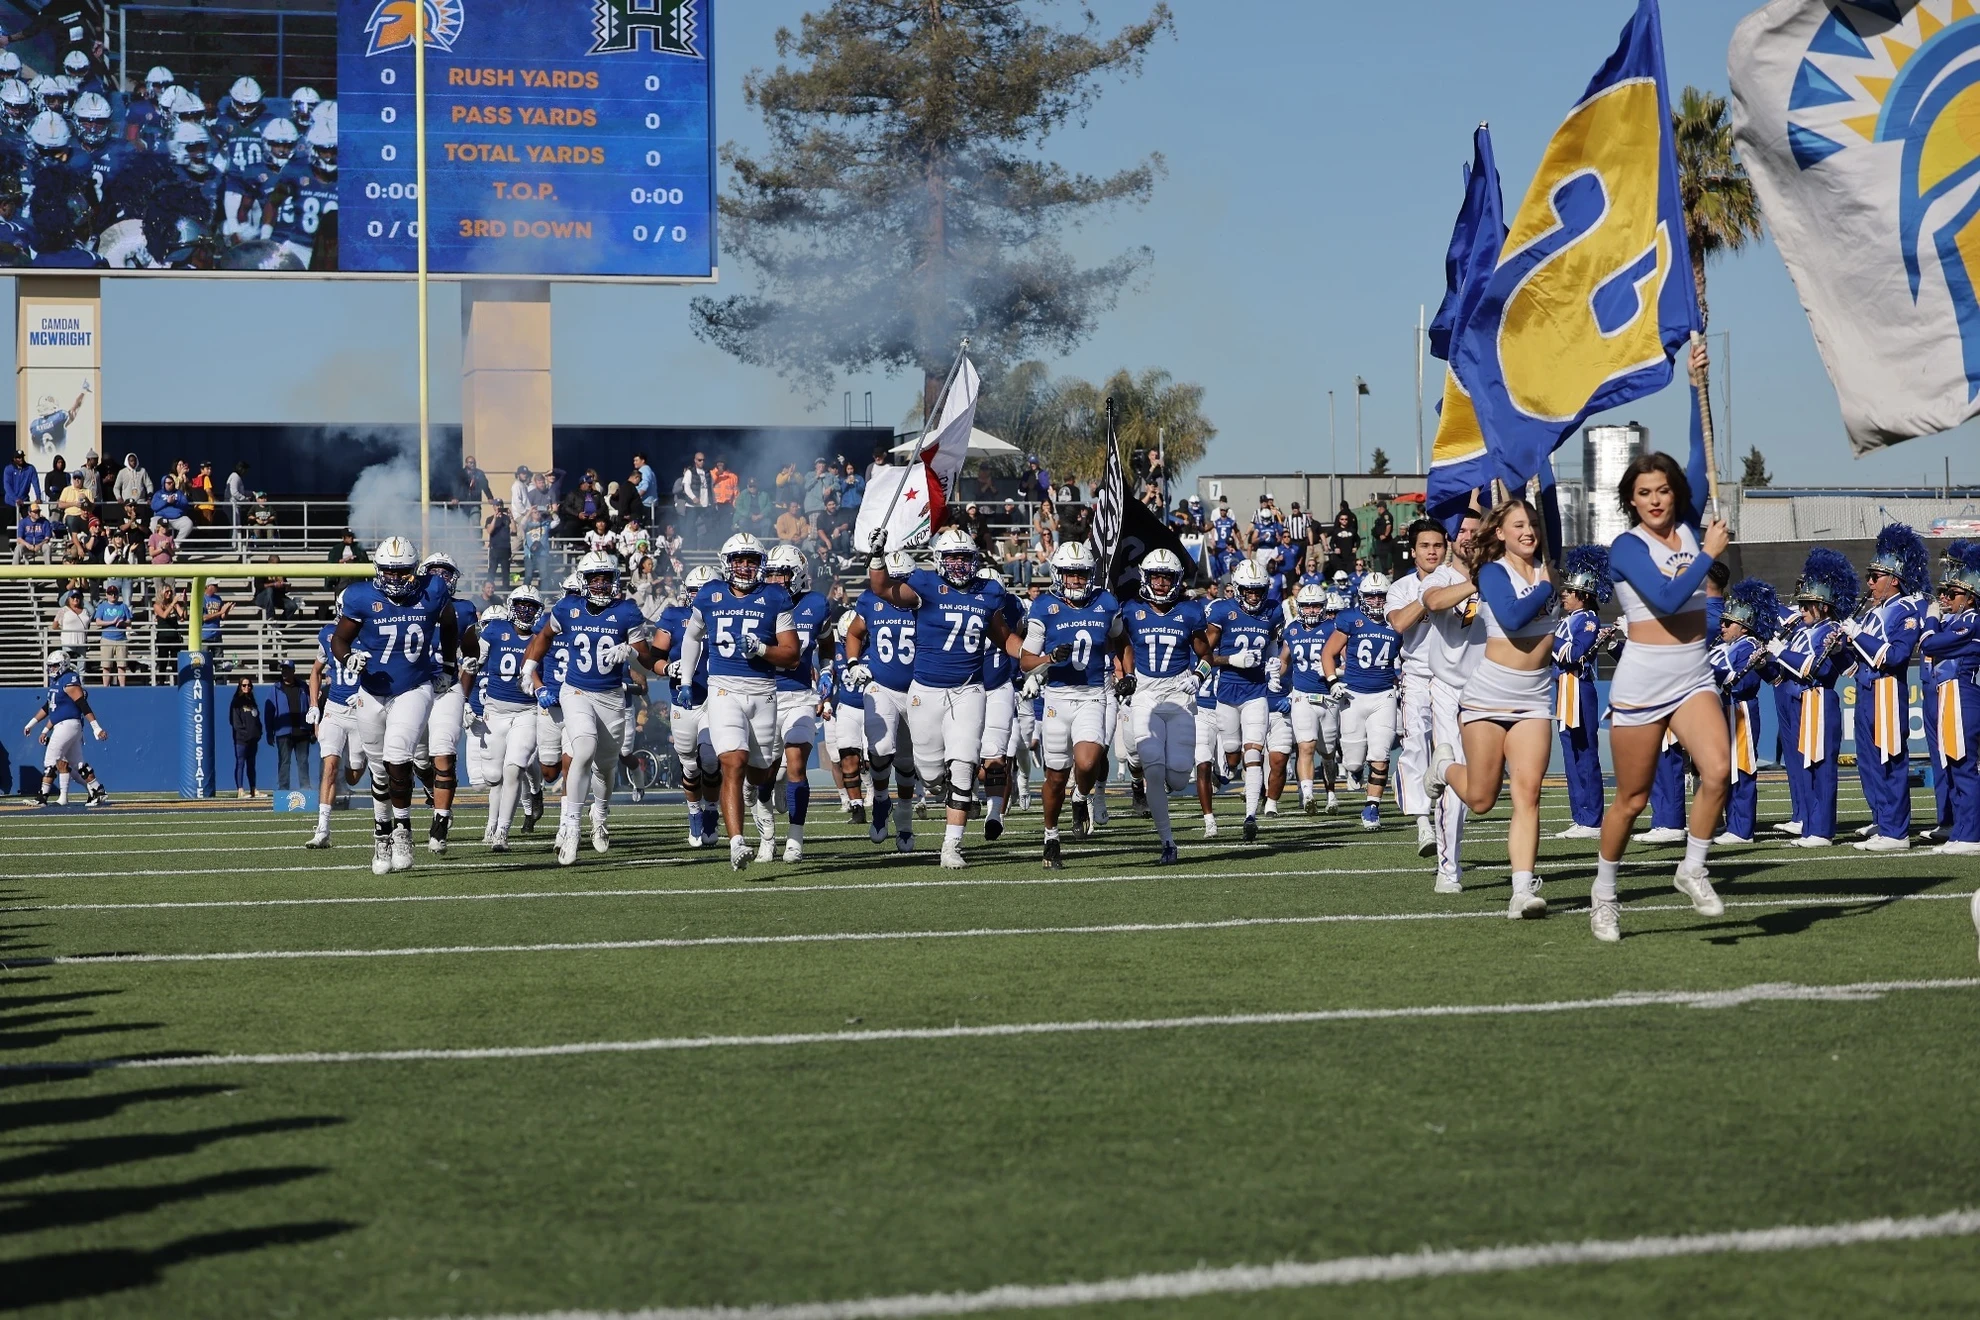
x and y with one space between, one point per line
918 508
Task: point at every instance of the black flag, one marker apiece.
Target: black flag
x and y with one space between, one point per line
1107 501
1141 532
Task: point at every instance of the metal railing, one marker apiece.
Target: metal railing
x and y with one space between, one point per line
201 43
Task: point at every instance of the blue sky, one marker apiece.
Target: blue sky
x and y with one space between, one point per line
1314 154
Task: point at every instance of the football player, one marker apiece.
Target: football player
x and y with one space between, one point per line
143 112
434 757
1361 662
1240 632
1000 708
797 702
65 709
302 107
192 152
334 696
1069 632
16 109
391 633
551 763
600 632
880 667
304 196
732 618
49 430
849 725
700 773
237 132
1305 639
1162 639
249 186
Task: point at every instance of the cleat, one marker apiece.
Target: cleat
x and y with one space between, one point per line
488 832
878 831
567 843
1692 882
1811 841
1729 838
793 850
697 840
1882 843
766 848
1526 905
98 798
1099 807
1251 829
1605 920
320 839
1310 805
952 858
1580 832
921 808
993 830
402 853
532 812
500 843
1448 882
904 843
858 816
601 837
381 854
1426 838
1371 817
1209 827
1138 803
1082 819
436 834
1271 806
1054 859
1333 802
1168 857
1662 834
739 853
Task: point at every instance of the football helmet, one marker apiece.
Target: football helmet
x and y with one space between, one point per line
322 139
16 101
742 561
1340 578
192 149
1312 604
525 607
1336 601
1250 582
956 556
397 564
51 95
1073 567
1161 564
442 563
600 574
246 97
92 120
788 565
10 64
698 577
60 662
302 105
75 64
156 79
573 585
188 107
49 133
1374 596
280 137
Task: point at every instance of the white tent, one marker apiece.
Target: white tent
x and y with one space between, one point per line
981 445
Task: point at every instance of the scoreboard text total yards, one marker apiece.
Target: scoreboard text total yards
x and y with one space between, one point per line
565 138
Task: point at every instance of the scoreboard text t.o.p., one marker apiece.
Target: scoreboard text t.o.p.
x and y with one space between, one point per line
566 139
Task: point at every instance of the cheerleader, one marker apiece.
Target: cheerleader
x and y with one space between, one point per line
1663 683
1812 660
1883 642
1951 645
1578 639
1750 620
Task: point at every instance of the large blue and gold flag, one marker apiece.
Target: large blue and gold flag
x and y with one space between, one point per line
1459 460
1592 297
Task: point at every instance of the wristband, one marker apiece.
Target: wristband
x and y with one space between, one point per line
529 669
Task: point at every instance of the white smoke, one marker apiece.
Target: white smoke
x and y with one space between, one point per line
384 501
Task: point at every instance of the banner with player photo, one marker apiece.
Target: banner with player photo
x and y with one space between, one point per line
58 355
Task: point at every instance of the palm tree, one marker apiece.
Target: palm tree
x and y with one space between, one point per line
1063 420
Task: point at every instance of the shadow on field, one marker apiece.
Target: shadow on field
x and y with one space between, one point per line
1760 880
70 1276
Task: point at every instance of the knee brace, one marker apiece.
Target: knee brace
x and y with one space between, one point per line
85 772
881 766
691 774
1378 775
445 779
381 788
401 777
962 785
1254 756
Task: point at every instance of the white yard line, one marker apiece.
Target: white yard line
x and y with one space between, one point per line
1204 1281
1858 992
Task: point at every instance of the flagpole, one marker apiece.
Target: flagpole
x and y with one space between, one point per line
1705 434
941 401
419 175
1419 387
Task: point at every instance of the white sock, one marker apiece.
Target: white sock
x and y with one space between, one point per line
570 811
795 833
952 836
1158 807
1051 832
1306 790
1524 882
1254 788
1605 880
1451 842
323 817
1695 851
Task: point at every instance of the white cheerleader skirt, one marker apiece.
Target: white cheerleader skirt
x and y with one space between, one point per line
1506 696
1651 682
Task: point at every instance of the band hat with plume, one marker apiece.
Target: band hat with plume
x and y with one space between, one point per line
1586 570
1952 559
1755 606
1967 574
1901 552
1827 579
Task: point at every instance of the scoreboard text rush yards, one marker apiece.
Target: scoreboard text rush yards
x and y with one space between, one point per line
565 138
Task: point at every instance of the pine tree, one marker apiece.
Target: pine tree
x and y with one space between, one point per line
1378 465
903 203
1756 476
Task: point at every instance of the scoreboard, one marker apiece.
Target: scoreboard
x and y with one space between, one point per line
566 139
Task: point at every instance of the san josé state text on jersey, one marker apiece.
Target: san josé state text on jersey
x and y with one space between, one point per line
1238 629
951 627
808 616
401 639
1163 641
1053 621
1371 654
728 615
890 641
586 633
1307 642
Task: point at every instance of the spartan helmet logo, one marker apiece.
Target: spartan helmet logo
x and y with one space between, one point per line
394 23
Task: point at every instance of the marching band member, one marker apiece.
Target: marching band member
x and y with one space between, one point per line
1578 640
1814 659
1883 642
1507 708
1751 617
1951 645
1787 727
1663 681
1950 561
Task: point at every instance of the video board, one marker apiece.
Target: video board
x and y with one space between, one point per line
566 139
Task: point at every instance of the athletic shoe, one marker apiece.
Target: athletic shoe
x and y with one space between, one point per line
952 858
1168 857
1867 831
1251 829
402 854
1371 817
1811 841
793 850
1788 827
739 853
1209 827
320 839
1957 849
1448 882
711 824
904 843
881 812
1426 837
1604 920
1333 802
1580 832
532 812
1729 838
766 822
1082 819
1442 758
1937 834
1098 803
567 843
1526 905
638 792
488 831
1138 802
381 854
1663 834
1024 801
766 848
1271 806
436 834
1882 843
858 816
98 798
921 808
993 830
601 837
1693 883
1054 860
500 843
1310 805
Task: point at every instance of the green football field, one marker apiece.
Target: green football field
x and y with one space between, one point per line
643 1083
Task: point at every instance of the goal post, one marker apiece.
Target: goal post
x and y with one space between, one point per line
194 671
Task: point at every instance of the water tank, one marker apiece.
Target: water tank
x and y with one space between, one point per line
1606 451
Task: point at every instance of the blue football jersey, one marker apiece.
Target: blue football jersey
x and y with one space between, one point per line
340 684
951 628
726 616
1206 693
586 632
688 695
1373 652
402 639
1162 641
61 705
846 696
1053 621
1238 629
501 672
808 618
998 666
1307 641
305 198
889 649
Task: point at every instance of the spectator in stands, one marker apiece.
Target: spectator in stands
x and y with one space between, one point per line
789 485
622 501
694 496
726 486
213 612
792 526
823 481
519 491
244 718
633 543
287 731
271 595
1158 476
89 543
57 478
667 548
852 486
346 551
971 520
204 494
161 545
754 510
73 505
136 522
261 520
169 504
168 621
644 583
470 487
1035 486
499 532
536 548
133 483
112 618
238 500
34 536
584 506
882 460
646 484
123 550
599 538
92 475
72 625
20 485
833 534
986 485
1075 519
1011 516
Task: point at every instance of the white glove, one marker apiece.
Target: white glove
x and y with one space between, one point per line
858 676
613 654
443 683
1852 628
1775 647
98 730
311 716
899 565
751 646
1273 668
356 659
1937 611
1242 659
1337 691
1274 684
1034 683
